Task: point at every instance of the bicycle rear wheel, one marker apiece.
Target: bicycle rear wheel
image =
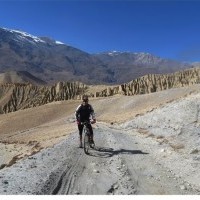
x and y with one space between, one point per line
86 144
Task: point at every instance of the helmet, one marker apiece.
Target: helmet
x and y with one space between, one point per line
85 98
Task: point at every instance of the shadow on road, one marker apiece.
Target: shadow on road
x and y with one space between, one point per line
109 152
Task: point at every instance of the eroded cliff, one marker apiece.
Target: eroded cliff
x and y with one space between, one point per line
20 96
154 83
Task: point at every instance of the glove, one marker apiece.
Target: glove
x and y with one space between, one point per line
93 121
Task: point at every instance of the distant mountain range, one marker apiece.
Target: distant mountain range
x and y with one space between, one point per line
52 61
128 66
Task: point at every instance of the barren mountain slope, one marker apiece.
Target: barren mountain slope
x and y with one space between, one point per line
48 59
20 77
128 65
120 160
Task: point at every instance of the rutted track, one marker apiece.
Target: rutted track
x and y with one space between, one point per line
120 164
101 172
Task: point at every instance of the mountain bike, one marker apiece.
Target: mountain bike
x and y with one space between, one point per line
87 141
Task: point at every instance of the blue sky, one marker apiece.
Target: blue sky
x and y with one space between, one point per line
169 29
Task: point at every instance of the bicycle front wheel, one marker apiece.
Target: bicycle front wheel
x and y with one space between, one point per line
86 145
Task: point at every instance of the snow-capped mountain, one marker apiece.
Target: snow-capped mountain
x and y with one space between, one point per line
127 65
21 36
49 59
52 60
136 58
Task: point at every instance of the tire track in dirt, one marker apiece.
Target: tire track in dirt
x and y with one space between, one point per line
121 163
101 172
67 179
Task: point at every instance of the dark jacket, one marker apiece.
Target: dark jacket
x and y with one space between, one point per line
84 113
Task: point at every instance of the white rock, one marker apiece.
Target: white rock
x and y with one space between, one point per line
162 150
96 171
76 192
115 186
183 187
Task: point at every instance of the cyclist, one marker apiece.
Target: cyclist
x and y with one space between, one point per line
85 112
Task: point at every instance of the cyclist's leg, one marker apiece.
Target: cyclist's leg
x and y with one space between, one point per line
80 128
91 133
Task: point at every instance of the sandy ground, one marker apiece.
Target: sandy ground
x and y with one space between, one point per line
32 140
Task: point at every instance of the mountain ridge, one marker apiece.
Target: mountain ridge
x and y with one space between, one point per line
53 61
48 60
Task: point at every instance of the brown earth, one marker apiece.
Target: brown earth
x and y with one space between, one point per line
15 97
26 132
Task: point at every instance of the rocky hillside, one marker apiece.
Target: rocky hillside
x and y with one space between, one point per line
20 96
127 66
154 83
14 97
20 77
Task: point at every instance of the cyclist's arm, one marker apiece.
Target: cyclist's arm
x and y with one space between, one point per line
77 113
92 113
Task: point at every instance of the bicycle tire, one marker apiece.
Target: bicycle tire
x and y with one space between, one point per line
86 144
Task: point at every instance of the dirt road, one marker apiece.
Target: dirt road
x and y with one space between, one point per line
121 163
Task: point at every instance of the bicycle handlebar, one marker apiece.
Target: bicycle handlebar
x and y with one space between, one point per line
85 123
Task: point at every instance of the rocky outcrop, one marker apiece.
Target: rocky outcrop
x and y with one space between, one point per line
154 83
20 96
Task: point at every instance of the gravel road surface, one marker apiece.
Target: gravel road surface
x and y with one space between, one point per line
122 162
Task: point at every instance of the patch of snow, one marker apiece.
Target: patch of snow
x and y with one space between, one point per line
24 35
114 53
58 42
